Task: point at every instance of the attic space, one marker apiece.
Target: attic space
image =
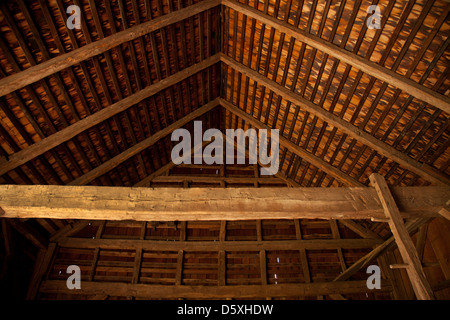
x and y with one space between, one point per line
353 96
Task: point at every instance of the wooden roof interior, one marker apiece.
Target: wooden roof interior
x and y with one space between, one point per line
111 113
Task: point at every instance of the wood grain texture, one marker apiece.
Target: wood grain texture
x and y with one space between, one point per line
237 291
405 245
169 204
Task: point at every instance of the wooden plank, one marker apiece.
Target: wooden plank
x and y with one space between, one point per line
171 204
217 245
382 73
185 291
316 161
424 170
405 245
59 63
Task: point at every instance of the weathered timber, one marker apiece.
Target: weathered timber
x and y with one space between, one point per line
185 291
169 204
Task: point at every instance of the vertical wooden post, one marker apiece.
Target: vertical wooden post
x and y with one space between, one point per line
179 273
405 245
221 257
180 256
336 235
262 253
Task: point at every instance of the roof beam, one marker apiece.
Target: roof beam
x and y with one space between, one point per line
316 161
71 131
144 144
412 88
134 244
191 204
202 292
405 245
49 67
424 170
218 179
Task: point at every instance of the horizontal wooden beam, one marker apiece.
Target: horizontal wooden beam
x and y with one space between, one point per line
71 131
218 179
59 63
292 147
189 204
371 68
317 244
144 144
184 291
424 170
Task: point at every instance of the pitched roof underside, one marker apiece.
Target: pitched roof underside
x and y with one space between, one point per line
105 117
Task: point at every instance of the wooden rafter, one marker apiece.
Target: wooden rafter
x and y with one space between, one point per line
49 67
71 131
419 91
426 171
321 164
114 162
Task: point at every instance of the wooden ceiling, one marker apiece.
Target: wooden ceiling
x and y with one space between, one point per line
96 106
